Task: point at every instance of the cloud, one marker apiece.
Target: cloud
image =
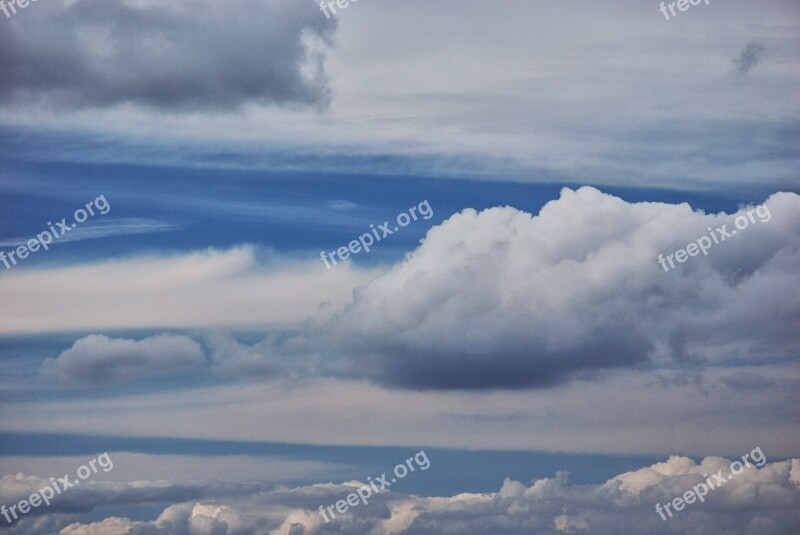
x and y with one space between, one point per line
681 123
108 526
271 357
631 411
94 493
101 229
187 54
748 57
176 468
505 299
163 292
97 359
756 501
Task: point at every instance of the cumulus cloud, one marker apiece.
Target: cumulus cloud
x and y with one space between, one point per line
98 359
502 298
756 501
184 54
95 493
108 526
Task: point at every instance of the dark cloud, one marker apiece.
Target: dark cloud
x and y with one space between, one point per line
748 57
519 363
177 55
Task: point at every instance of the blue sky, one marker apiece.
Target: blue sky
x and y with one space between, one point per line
524 334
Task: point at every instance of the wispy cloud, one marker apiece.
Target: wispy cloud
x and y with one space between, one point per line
104 229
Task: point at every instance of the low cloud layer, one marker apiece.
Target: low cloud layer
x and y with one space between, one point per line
181 55
98 359
505 299
761 500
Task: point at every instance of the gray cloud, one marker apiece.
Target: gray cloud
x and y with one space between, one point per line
504 299
184 54
748 57
97 359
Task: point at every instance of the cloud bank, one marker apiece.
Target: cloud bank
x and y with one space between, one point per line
757 501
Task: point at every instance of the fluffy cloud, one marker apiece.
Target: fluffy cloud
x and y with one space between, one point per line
99 359
757 501
502 298
109 526
92 494
177 55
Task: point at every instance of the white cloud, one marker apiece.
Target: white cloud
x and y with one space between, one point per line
502 298
108 526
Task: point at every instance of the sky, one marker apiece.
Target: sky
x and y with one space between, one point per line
542 257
